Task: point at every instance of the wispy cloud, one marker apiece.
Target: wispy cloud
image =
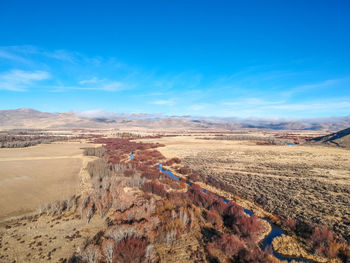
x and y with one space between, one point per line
250 107
107 86
98 113
251 102
4 54
317 86
311 106
102 84
198 107
19 80
23 54
254 91
169 102
90 81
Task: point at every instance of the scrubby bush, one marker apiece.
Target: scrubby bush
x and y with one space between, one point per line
184 170
220 206
131 250
129 172
92 254
92 151
155 188
323 242
252 255
228 244
98 168
172 161
193 177
199 198
289 223
108 249
214 218
247 226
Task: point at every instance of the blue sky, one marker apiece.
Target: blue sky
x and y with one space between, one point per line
211 58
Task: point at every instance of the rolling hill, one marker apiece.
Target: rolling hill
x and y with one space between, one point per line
340 138
25 118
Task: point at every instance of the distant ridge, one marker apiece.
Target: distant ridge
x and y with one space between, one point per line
26 118
340 138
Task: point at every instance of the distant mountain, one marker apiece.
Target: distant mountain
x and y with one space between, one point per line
26 118
340 138
32 119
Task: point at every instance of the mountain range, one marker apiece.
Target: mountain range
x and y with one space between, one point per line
26 118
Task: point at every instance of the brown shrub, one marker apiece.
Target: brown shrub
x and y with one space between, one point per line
184 170
129 172
247 226
220 206
193 177
323 242
289 223
155 188
108 248
172 161
92 254
92 151
130 250
229 244
214 218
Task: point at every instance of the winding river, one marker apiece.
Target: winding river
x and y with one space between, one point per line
276 231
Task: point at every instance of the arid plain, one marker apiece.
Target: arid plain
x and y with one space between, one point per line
256 169
311 182
31 176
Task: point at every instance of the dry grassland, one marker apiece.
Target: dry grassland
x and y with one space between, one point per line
45 238
309 183
40 174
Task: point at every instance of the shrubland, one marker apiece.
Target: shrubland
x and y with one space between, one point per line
145 210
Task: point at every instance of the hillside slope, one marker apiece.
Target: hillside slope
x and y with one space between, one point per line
340 138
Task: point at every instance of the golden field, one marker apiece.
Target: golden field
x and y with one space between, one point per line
33 176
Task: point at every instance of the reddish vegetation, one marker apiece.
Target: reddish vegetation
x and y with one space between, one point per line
161 213
289 223
172 161
184 170
130 250
193 177
227 243
117 148
324 244
214 218
155 188
129 172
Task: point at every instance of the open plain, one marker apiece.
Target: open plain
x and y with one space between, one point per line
33 176
300 182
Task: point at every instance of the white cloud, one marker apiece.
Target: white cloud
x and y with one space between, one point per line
251 102
198 107
13 57
99 113
311 106
163 102
316 87
19 80
255 107
90 81
60 55
112 86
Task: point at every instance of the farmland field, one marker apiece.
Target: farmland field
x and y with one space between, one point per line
30 177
